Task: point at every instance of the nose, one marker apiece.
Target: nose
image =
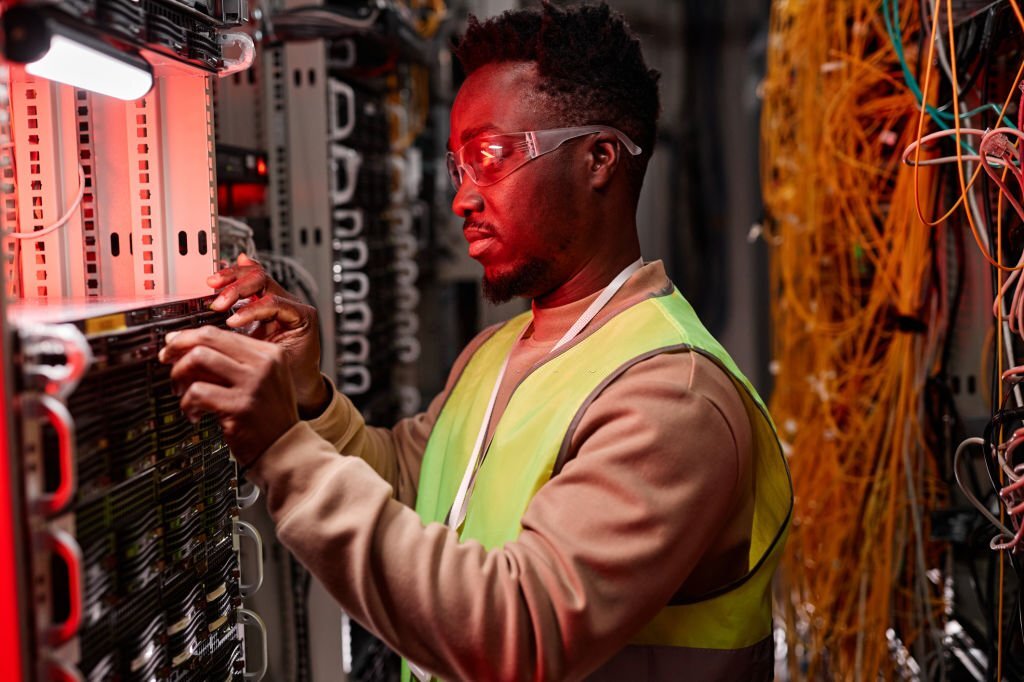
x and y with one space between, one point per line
467 199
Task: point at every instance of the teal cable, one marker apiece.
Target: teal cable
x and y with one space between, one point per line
890 14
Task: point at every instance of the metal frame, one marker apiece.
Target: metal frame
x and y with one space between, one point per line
113 207
131 234
8 190
300 197
14 624
43 124
189 170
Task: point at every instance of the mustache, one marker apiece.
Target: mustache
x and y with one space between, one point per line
478 225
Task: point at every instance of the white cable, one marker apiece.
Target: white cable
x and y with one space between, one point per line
241 229
300 17
975 502
60 221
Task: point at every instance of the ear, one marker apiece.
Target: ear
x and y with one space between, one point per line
603 158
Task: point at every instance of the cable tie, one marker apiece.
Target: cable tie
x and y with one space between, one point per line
909 324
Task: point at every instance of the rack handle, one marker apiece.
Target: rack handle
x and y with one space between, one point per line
348 223
60 418
341 130
244 529
247 498
61 542
59 381
351 160
247 617
246 49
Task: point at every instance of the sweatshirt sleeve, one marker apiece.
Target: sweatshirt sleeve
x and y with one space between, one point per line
603 547
394 453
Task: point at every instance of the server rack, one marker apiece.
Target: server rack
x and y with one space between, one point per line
120 515
337 101
132 507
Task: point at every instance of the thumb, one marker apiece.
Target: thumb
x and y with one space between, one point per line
244 259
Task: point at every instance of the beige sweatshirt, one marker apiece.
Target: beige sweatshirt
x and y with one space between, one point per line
657 496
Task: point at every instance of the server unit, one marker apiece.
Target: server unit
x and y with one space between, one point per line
132 509
121 543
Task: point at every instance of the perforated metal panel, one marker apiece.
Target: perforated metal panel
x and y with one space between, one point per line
8 190
146 194
303 224
46 141
186 125
87 159
277 143
145 222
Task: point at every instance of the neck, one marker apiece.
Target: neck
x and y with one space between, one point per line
591 277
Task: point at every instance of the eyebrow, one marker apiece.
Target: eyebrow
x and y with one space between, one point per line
470 133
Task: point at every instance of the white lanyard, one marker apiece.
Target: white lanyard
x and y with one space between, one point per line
458 511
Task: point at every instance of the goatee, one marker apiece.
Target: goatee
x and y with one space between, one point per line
524 280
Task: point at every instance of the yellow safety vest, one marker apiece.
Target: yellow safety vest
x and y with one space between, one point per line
531 440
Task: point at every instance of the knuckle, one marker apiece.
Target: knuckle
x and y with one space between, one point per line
248 404
198 356
307 311
188 400
184 366
275 355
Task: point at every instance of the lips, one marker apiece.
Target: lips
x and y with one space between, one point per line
480 240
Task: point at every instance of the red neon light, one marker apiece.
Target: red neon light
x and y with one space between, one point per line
261 167
246 195
10 635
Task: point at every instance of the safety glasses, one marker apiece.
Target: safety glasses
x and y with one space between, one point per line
487 159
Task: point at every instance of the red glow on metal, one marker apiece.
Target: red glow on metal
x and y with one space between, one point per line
10 635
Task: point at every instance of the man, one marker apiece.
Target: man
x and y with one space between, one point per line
598 491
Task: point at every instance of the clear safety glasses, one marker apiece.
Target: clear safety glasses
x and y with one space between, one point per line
486 159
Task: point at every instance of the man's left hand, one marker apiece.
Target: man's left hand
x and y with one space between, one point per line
245 382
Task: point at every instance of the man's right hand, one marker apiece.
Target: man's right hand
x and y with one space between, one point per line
283 320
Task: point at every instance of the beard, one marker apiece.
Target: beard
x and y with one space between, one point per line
525 279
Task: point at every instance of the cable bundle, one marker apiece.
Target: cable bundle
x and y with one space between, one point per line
859 320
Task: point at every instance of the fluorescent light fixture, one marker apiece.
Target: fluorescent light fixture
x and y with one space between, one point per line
50 49
73 63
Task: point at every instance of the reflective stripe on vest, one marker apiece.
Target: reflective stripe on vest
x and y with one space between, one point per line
539 419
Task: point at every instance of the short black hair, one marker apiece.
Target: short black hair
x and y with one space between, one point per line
590 63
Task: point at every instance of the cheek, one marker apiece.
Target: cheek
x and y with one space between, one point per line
521 215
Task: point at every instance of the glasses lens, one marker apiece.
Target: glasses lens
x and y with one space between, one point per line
453 172
495 156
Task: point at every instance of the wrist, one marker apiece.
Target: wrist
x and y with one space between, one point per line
313 403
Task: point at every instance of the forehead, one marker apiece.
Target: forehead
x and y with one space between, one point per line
501 97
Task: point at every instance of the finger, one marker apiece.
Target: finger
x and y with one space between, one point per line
202 397
205 364
224 275
221 278
271 308
238 346
250 281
